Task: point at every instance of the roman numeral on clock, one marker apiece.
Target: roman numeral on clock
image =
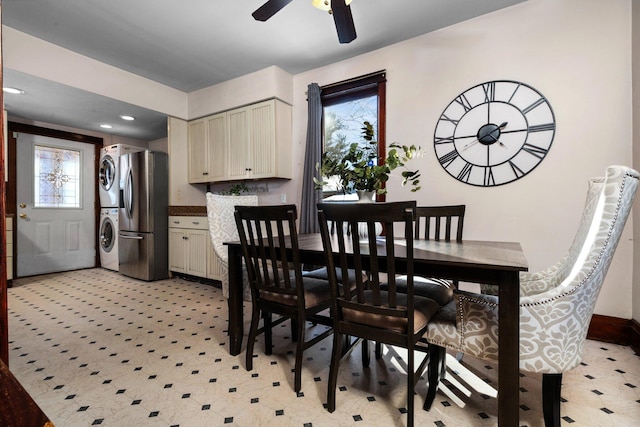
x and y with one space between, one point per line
542 127
448 158
465 173
534 150
489 179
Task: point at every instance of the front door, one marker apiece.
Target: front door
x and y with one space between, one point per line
55 194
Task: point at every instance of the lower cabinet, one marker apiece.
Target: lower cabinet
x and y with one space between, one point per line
190 248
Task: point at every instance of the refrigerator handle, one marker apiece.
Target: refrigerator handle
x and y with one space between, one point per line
128 194
124 236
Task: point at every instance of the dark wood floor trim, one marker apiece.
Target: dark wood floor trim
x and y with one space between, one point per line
610 329
635 335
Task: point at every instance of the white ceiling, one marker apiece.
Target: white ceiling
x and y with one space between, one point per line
193 44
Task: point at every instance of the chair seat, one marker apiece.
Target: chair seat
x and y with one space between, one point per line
423 310
439 290
322 273
316 292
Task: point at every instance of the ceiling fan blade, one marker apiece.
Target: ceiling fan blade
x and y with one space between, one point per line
343 20
270 8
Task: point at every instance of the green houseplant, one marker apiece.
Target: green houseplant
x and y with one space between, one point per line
357 169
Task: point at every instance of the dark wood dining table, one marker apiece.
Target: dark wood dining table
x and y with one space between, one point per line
497 263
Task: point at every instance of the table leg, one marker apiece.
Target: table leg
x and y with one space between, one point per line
509 349
235 300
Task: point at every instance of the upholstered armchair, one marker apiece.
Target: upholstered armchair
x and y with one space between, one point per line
556 304
222 228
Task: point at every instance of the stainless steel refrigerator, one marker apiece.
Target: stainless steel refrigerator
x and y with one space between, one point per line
143 215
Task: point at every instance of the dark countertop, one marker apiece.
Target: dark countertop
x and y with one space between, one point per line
187 210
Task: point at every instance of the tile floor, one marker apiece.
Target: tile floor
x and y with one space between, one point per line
94 347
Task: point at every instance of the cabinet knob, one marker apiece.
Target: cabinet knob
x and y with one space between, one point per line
205 173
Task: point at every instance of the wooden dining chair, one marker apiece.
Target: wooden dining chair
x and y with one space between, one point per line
322 273
556 304
440 223
436 223
368 312
269 241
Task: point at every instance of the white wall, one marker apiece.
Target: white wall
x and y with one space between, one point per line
577 53
107 139
30 55
271 82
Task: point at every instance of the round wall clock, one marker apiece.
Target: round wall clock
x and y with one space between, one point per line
494 133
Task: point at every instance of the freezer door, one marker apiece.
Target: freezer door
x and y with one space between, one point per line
139 256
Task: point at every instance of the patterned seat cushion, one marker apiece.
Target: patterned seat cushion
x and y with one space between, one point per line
316 292
439 290
423 310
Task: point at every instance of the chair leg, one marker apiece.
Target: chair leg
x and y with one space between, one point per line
435 372
551 387
297 382
294 330
366 356
378 350
253 331
336 353
411 384
268 342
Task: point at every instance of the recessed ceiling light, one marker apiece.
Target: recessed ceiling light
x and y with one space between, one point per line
12 90
105 126
129 118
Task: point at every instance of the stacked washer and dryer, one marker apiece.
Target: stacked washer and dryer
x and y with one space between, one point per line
109 191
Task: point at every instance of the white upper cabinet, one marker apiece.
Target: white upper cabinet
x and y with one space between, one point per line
252 142
207 149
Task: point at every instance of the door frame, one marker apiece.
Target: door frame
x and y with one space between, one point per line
12 176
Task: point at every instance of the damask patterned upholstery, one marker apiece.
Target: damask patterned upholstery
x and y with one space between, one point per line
222 228
556 304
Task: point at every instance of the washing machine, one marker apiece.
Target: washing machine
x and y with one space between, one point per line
108 173
108 238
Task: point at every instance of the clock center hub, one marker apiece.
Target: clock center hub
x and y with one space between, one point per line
488 134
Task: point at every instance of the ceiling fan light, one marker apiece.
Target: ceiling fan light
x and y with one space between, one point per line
325 5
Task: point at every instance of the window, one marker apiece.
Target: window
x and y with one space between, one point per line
56 177
345 107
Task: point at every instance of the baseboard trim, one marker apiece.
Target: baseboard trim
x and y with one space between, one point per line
635 335
611 329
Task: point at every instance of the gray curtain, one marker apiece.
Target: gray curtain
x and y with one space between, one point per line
310 196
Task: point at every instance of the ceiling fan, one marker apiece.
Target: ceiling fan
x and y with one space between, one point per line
340 10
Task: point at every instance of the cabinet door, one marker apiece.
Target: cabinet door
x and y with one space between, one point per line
262 139
177 250
239 153
196 252
197 149
217 147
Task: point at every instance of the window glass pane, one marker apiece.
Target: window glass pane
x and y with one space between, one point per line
56 177
343 124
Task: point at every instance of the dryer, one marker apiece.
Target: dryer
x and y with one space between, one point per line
108 238
108 173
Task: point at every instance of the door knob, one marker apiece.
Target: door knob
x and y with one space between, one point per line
23 215
23 205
